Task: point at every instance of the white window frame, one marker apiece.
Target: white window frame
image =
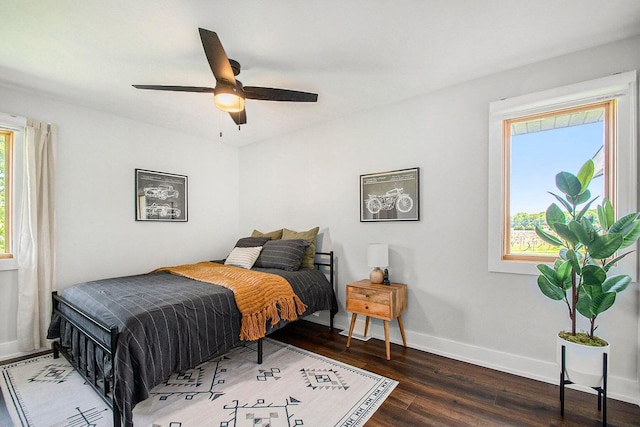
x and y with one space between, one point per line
17 124
622 87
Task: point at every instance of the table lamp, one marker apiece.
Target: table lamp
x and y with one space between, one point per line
378 258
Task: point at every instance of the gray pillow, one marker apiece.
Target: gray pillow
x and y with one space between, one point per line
282 254
252 242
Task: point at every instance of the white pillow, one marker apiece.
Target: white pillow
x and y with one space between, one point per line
243 257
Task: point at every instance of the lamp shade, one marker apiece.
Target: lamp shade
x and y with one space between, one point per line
228 98
378 255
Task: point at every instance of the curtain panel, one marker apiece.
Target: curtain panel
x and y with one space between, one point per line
36 240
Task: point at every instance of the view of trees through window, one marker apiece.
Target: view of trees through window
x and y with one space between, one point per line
540 147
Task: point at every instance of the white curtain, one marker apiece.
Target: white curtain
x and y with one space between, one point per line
36 240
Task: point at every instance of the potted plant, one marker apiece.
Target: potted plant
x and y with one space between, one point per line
581 277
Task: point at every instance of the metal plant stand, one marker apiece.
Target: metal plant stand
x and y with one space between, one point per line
602 391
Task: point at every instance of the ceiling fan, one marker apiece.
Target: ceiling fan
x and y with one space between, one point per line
229 94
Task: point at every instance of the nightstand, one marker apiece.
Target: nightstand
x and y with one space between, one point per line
386 302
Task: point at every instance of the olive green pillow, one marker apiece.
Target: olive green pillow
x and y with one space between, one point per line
309 236
274 235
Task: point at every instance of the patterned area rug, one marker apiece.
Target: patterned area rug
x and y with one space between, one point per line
292 387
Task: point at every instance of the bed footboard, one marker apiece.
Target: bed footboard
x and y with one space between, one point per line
87 343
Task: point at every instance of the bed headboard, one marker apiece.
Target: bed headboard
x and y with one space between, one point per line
324 260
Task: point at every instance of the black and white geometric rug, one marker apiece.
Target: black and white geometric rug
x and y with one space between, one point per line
292 387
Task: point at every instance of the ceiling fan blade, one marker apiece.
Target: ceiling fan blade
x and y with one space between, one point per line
218 60
272 94
240 117
176 88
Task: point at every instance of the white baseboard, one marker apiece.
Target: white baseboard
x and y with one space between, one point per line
618 388
9 350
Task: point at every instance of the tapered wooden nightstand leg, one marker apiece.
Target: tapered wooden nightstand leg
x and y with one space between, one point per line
353 323
366 326
404 339
386 339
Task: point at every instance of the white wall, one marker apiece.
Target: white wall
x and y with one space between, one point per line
456 307
97 234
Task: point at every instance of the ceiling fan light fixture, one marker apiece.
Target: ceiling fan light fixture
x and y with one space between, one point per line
228 98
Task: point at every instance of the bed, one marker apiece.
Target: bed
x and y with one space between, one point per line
126 335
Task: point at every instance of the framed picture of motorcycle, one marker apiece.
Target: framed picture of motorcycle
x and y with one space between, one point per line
160 196
390 196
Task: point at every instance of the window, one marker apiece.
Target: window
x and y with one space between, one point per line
12 133
535 149
6 186
535 136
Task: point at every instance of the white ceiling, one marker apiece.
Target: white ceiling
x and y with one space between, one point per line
356 54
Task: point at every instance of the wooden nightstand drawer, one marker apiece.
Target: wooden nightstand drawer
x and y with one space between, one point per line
369 308
363 294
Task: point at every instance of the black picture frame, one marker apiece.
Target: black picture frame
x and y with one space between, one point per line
161 196
390 196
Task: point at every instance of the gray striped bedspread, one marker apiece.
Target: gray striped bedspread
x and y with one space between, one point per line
169 323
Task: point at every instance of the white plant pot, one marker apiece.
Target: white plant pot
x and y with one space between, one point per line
583 363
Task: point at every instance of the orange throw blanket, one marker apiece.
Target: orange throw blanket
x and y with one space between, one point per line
258 295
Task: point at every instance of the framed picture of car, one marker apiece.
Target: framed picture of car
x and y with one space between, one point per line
160 196
390 196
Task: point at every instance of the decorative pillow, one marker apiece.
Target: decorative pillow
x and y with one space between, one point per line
274 235
309 236
252 242
282 254
243 257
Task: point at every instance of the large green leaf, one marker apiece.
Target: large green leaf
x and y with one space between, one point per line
632 236
602 302
625 224
586 174
566 204
568 183
550 274
564 271
593 275
550 290
629 227
585 209
574 258
565 233
554 215
578 230
602 217
602 247
606 214
580 198
616 283
549 238
584 303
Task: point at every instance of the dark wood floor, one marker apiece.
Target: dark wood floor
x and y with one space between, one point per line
436 391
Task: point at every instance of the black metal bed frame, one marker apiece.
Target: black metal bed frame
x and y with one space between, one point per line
104 385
